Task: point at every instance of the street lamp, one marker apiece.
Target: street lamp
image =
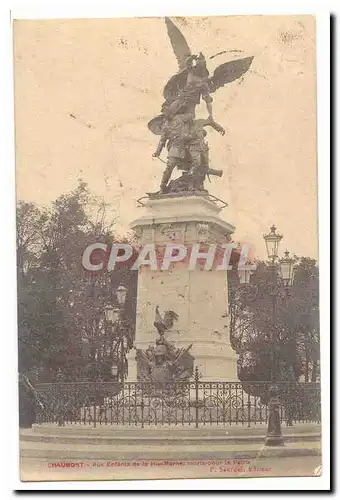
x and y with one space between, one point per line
111 314
287 268
114 370
115 333
244 273
272 240
121 295
280 271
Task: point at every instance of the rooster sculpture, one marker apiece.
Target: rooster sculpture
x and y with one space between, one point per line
166 322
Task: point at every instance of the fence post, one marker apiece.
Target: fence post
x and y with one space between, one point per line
196 396
249 409
95 405
142 404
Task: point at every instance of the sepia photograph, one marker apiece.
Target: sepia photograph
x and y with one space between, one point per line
167 247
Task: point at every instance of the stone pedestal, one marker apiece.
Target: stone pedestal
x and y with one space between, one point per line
199 297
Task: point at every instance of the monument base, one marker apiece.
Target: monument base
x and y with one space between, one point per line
215 361
199 297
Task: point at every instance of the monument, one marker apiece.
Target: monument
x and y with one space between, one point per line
163 364
184 214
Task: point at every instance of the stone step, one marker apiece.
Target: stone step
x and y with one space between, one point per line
130 443
130 438
140 451
169 431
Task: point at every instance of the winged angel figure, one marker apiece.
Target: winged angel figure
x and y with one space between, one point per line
182 93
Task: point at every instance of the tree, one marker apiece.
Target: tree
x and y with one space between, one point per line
303 317
61 304
255 314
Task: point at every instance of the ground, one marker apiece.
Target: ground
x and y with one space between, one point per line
36 469
78 452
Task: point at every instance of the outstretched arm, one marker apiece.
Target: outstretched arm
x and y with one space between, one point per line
208 102
216 126
209 108
207 98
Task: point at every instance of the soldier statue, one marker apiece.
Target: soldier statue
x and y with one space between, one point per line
187 149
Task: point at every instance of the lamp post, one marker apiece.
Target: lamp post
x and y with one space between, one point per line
272 240
280 271
114 316
287 268
114 370
121 296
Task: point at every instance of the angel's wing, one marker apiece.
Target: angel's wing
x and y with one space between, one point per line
178 43
228 72
176 83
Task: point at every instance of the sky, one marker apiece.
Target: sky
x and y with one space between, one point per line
85 90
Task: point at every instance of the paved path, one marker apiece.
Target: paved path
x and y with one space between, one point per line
88 451
40 469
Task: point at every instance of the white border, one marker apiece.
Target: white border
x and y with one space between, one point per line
67 9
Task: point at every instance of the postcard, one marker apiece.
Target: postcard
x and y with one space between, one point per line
167 247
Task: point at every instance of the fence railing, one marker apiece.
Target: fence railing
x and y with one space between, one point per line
195 403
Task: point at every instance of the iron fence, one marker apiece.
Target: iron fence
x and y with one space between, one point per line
195 403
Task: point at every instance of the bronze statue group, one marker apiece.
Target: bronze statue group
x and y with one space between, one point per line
180 132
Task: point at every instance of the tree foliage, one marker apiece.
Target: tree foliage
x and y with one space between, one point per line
60 304
270 324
